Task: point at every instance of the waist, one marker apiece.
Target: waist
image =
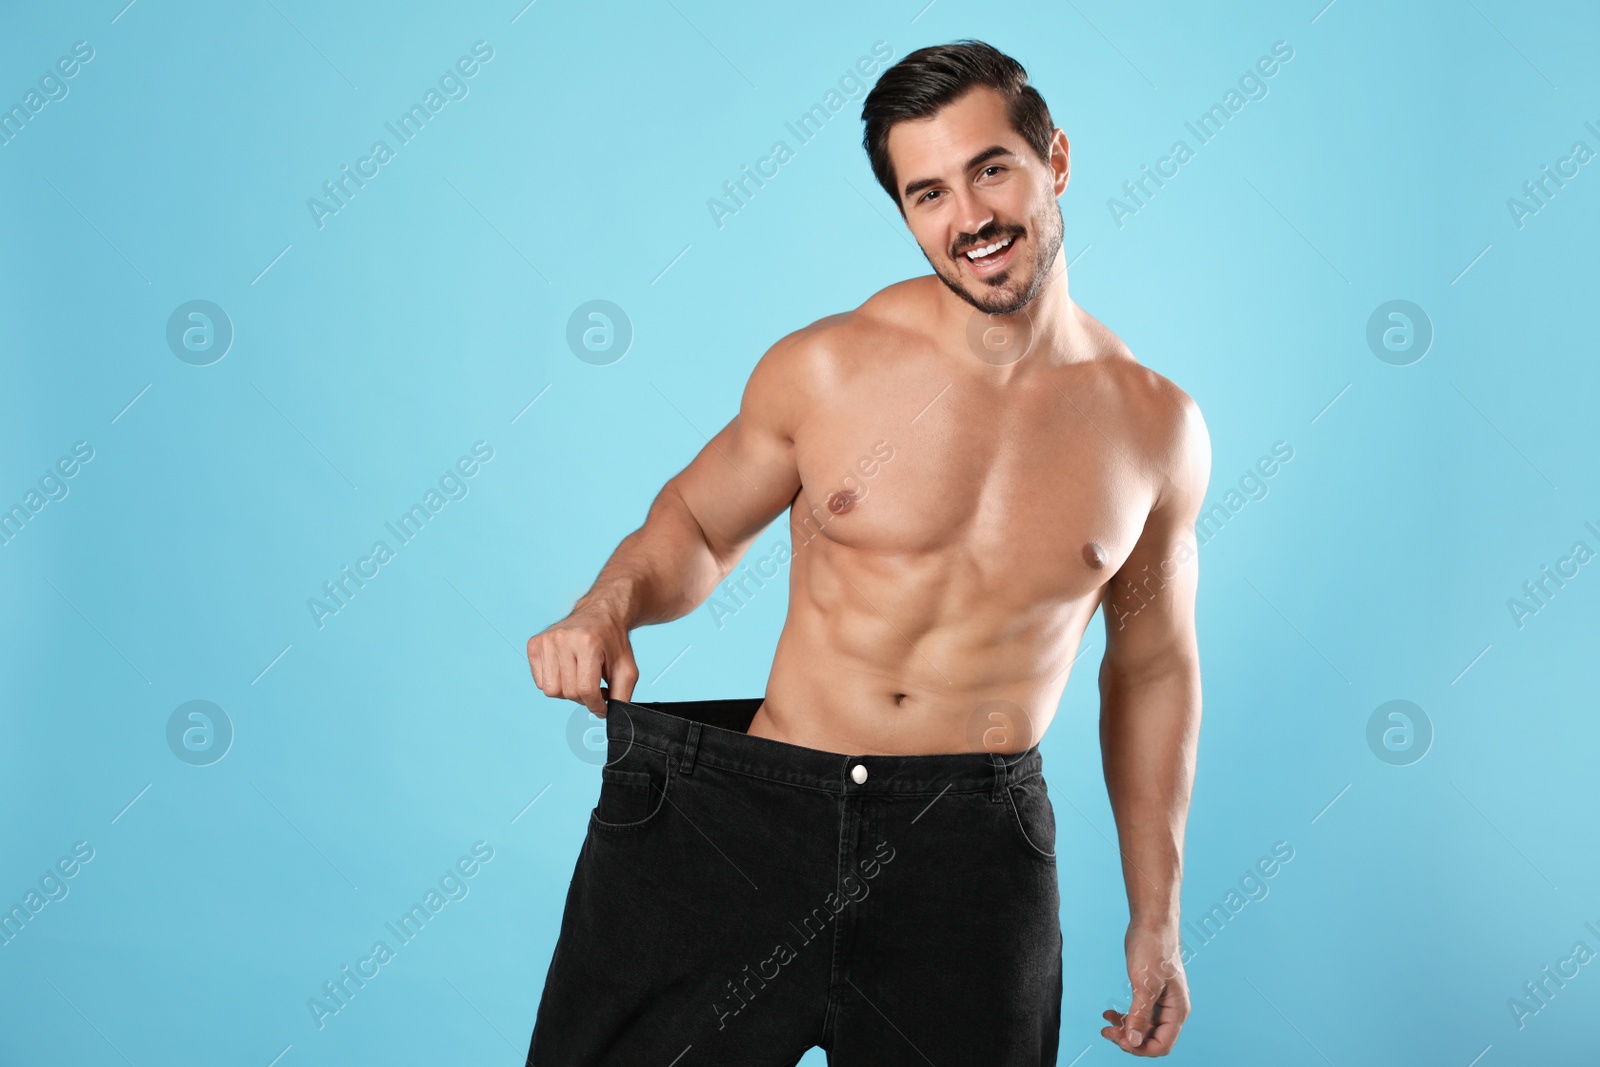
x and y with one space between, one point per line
712 733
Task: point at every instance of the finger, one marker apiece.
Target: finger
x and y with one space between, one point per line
1172 1010
1112 1033
1161 1037
590 662
567 664
1115 1032
622 674
1119 1037
1151 1047
1159 1041
535 659
1138 1022
550 669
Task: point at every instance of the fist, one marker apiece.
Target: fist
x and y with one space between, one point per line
570 660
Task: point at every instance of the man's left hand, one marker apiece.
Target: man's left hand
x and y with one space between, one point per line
1160 994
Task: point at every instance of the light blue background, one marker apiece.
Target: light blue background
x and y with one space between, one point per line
426 315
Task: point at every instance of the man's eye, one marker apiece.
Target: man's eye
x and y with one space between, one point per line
927 194
994 166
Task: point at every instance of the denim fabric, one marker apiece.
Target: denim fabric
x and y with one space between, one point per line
738 900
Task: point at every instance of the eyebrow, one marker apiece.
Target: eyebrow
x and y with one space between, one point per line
913 188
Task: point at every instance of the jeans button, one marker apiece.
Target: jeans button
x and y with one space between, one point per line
858 774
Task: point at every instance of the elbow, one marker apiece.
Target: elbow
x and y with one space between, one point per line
678 513
1122 675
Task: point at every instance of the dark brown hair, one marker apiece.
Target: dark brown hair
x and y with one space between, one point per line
929 78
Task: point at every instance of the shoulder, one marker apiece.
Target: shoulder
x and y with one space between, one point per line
889 320
1183 446
822 355
801 371
1164 422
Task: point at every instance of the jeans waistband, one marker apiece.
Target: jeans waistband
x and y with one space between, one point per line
712 733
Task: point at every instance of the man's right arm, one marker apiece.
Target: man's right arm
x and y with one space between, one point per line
696 530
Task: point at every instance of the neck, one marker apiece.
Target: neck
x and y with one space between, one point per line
1050 317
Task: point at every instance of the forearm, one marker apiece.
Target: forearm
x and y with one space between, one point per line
661 571
1149 727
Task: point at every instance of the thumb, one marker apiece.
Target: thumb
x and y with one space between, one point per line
622 673
1137 1023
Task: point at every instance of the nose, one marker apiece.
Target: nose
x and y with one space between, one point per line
972 214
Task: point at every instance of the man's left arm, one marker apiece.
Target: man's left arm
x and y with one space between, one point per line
1149 729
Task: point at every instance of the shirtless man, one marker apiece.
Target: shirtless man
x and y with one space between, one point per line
972 465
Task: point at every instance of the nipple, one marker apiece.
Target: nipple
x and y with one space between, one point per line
1094 555
842 501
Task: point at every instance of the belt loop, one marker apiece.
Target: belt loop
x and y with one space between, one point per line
999 765
691 744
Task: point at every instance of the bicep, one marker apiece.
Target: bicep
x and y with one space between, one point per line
1148 605
747 474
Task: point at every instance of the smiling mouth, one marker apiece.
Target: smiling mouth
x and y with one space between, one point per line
986 259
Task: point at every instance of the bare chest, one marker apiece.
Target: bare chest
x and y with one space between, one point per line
1034 489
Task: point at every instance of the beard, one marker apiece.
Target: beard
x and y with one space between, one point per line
1015 287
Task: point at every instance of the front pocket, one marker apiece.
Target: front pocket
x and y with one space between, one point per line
629 799
1034 816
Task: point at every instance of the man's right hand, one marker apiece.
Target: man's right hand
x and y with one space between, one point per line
570 659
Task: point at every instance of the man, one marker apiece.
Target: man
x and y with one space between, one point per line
864 858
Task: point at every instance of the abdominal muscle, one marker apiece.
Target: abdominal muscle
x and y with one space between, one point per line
941 672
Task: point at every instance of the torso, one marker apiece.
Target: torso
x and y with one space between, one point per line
955 527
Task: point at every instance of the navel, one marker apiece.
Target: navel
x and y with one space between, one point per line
842 501
1094 555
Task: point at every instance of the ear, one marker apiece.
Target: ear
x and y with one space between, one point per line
1060 161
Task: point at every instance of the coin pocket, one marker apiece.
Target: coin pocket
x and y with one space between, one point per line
628 799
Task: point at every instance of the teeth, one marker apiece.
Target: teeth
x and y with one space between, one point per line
990 250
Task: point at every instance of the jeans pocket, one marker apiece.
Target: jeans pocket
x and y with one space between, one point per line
632 797
1034 816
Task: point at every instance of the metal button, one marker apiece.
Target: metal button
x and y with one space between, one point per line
858 774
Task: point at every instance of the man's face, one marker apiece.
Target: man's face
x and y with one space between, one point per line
968 181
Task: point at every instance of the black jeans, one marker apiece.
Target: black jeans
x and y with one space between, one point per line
738 900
